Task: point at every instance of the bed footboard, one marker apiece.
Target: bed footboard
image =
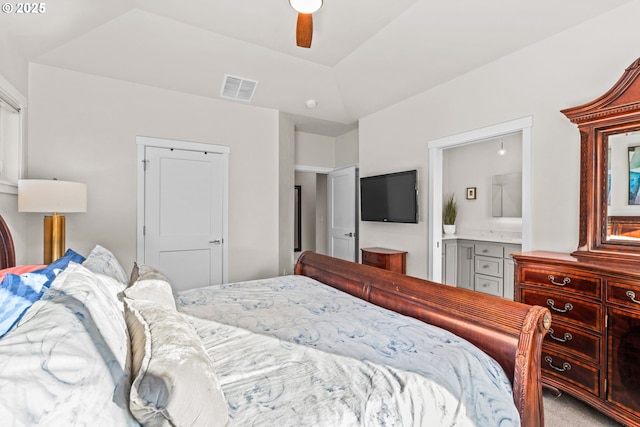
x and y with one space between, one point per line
508 331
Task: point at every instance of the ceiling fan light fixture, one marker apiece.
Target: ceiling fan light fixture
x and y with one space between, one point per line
306 6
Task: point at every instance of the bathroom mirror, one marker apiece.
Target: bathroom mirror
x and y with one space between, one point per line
609 215
506 195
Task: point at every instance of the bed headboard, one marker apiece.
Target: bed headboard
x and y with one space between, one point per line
7 250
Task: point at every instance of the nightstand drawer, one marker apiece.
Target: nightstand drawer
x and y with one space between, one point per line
563 306
562 281
488 285
388 259
572 371
574 341
490 266
624 293
374 259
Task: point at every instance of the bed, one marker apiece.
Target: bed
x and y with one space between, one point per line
105 346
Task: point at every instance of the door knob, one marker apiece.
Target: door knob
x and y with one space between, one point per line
350 234
215 242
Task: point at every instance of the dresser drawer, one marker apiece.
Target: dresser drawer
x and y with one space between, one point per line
570 370
563 306
574 341
489 266
488 285
627 294
487 249
558 280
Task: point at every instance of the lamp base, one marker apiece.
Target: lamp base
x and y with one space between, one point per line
54 229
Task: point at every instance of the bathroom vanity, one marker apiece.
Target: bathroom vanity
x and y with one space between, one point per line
481 264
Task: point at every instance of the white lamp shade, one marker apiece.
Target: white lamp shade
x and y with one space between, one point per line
44 195
306 6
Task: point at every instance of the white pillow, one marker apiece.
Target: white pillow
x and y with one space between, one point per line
149 284
66 362
174 381
102 261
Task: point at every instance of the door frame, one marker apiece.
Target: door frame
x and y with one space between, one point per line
142 143
436 146
322 170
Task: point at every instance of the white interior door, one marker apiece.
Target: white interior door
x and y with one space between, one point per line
184 215
342 205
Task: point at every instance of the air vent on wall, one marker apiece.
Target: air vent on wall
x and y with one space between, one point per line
238 88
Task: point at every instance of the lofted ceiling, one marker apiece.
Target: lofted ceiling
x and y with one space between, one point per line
366 54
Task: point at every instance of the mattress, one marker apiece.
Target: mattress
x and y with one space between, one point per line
423 375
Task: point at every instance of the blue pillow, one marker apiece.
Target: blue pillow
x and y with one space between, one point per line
18 293
52 270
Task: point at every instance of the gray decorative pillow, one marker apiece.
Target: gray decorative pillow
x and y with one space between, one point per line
173 379
149 284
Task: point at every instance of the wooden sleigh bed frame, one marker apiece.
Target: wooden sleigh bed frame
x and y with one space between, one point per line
510 332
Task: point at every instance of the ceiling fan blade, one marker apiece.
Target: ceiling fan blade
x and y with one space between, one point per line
304 30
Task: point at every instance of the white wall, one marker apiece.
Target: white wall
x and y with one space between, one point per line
563 71
13 67
84 128
325 151
13 79
315 150
346 152
286 197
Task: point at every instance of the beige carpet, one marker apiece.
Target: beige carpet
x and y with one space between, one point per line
565 411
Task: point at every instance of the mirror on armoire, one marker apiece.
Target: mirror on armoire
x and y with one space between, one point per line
610 171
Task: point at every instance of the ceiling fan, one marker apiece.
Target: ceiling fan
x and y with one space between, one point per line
304 28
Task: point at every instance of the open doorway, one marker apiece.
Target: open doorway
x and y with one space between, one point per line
436 182
329 212
313 211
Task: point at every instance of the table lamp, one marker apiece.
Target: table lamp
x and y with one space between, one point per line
44 195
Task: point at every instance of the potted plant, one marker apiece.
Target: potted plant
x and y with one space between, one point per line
449 214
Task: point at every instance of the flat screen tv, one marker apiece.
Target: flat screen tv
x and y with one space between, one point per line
390 197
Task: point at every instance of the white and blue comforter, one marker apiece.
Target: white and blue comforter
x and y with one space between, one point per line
374 368
287 351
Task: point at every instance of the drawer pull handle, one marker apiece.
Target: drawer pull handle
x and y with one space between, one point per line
485 266
567 336
565 281
632 297
567 307
565 366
